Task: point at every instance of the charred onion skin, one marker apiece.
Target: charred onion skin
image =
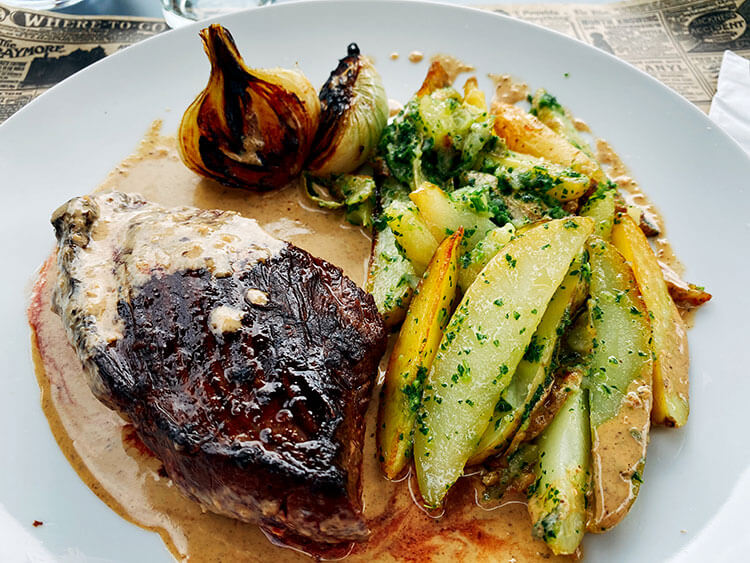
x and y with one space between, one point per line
354 111
249 128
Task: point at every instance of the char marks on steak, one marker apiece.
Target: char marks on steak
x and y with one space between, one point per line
244 363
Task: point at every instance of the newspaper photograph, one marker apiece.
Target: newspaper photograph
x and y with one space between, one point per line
679 42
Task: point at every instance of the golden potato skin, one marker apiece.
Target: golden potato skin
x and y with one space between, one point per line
482 345
619 382
670 345
524 133
413 354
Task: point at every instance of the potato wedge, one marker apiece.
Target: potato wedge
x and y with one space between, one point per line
516 474
412 233
412 356
601 208
481 347
580 337
685 295
669 344
566 380
391 278
444 216
525 133
558 118
619 384
437 77
557 500
533 378
474 261
473 96
560 182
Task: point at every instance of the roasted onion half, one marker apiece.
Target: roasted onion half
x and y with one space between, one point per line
354 112
249 128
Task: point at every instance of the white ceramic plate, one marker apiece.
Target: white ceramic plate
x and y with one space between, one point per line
697 484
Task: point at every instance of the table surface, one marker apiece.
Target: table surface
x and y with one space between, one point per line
152 8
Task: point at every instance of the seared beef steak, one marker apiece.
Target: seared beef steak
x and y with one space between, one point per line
244 362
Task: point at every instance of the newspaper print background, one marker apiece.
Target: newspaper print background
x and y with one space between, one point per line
39 49
677 41
680 42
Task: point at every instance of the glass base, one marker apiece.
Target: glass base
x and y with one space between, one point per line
175 20
178 13
39 4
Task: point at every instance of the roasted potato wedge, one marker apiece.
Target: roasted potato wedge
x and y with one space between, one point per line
601 208
525 133
412 233
580 337
533 378
619 384
473 96
563 182
484 341
558 118
391 278
412 356
444 216
685 295
474 261
557 499
437 77
669 344
566 380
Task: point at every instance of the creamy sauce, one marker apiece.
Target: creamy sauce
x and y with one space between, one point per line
116 466
156 172
507 89
452 66
394 106
416 56
619 451
634 196
147 238
581 126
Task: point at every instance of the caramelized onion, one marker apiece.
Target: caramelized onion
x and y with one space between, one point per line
249 128
354 112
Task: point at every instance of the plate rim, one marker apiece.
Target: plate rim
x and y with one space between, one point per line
292 4
745 161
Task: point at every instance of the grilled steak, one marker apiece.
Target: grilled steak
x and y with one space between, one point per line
244 363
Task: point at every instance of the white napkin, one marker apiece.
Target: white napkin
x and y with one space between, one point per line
730 108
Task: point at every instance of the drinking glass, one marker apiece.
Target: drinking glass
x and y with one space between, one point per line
39 4
182 12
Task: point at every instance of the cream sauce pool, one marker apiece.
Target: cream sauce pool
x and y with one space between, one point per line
633 195
107 455
507 89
